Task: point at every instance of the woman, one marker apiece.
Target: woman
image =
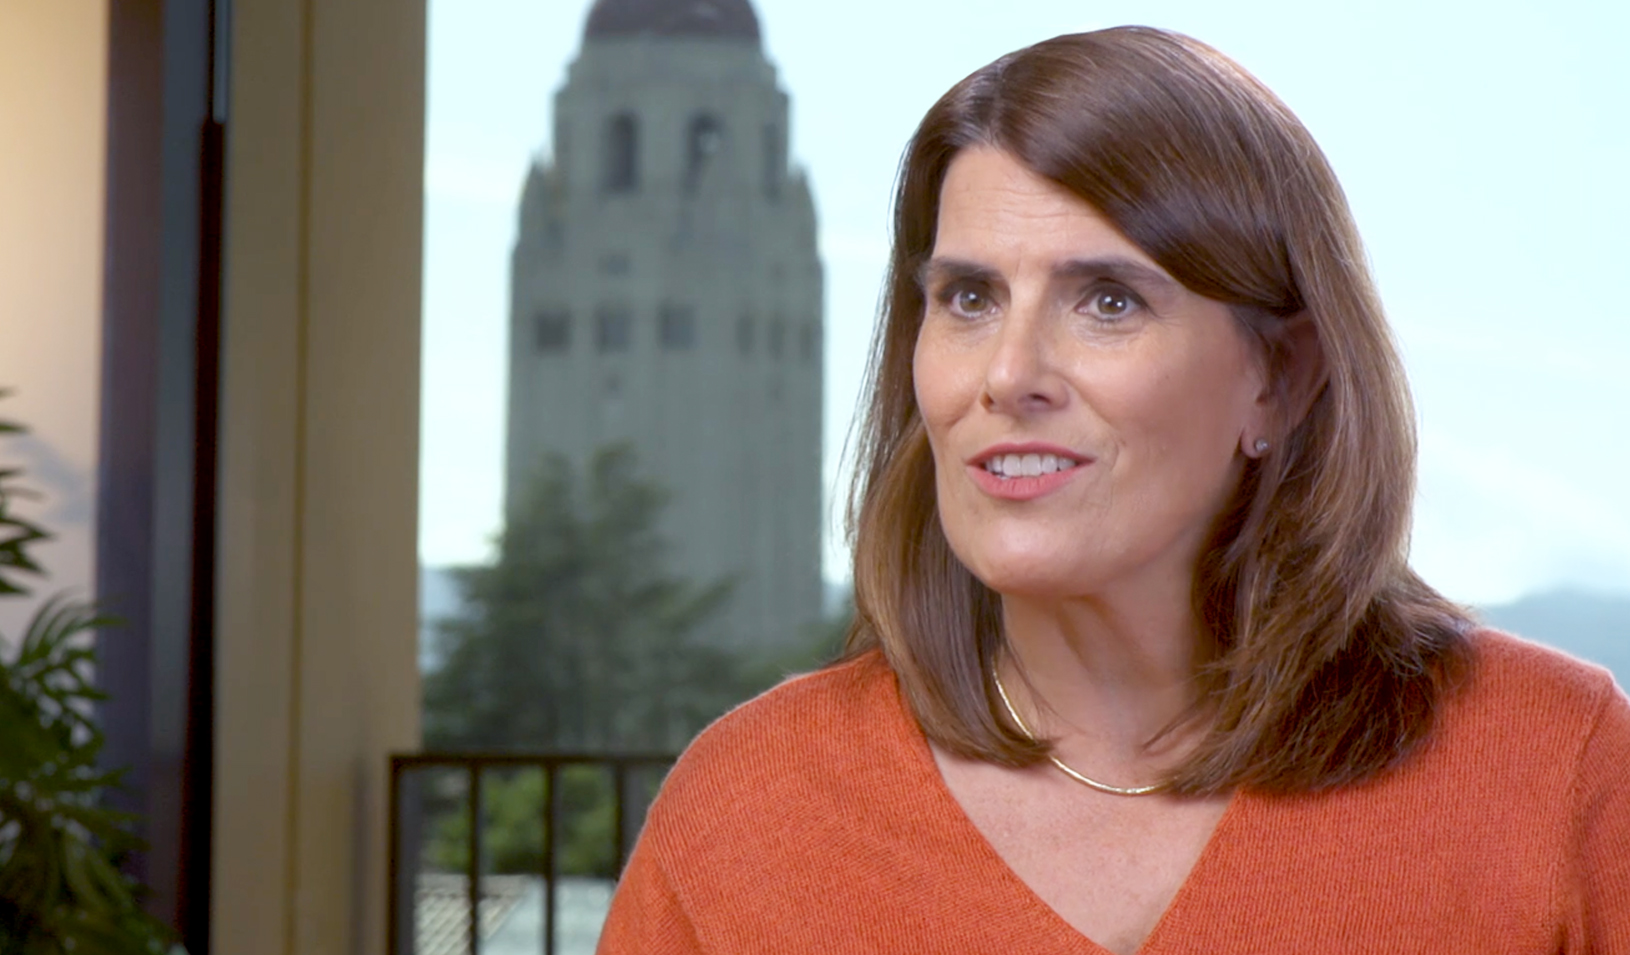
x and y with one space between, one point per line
1138 663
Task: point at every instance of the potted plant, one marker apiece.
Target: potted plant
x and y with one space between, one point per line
61 890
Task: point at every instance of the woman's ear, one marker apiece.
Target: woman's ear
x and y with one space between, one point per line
1304 374
1292 386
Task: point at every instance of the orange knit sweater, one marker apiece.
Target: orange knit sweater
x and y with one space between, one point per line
814 819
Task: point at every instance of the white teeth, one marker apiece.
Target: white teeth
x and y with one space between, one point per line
1027 465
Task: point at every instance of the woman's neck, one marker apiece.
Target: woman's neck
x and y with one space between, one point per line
1104 677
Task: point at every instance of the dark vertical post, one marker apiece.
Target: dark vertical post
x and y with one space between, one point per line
551 814
475 857
198 759
409 846
155 497
393 855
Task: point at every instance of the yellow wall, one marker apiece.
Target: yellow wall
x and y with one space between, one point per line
317 676
53 106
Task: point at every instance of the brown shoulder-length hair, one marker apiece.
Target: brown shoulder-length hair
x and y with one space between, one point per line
1329 654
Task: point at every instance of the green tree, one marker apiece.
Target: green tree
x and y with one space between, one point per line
576 638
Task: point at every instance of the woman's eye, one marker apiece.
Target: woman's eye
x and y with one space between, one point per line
1112 304
969 301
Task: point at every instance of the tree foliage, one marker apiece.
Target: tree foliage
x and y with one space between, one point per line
576 638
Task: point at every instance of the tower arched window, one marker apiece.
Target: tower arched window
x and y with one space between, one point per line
622 153
554 330
703 142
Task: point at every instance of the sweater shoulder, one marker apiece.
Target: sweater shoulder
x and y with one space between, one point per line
801 714
1523 708
806 741
1525 676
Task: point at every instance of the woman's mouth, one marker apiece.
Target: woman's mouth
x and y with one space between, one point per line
1009 466
1020 472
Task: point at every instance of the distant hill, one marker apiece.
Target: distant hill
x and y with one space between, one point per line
1591 626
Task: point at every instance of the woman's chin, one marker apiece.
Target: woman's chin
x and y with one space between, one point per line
1032 580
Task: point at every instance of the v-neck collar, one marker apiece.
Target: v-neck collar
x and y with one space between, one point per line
945 806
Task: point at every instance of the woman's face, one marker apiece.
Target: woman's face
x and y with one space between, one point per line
1088 415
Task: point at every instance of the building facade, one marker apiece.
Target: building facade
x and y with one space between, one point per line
666 293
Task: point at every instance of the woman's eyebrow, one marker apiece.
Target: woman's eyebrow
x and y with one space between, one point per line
1114 267
1118 269
951 270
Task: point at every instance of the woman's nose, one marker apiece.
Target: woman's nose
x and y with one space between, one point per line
1020 375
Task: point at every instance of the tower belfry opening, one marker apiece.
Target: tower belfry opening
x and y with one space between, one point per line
622 153
703 141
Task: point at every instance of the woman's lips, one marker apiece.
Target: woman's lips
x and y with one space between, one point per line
1017 480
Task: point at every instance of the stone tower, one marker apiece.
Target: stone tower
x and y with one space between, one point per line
666 292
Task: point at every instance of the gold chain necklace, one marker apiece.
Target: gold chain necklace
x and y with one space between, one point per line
1079 777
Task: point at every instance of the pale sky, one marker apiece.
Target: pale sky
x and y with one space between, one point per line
1483 147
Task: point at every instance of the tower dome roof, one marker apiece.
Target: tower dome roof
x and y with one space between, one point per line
729 19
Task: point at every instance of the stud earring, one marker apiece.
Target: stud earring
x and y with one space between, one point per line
1261 446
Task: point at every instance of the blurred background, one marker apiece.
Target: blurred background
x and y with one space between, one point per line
596 167
594 416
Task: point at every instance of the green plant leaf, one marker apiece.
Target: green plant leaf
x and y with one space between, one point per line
58 841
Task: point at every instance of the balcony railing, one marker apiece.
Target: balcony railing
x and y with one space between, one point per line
446 898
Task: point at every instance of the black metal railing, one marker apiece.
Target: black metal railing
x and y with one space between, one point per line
407 828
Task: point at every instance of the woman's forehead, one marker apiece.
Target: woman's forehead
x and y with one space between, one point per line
994 210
